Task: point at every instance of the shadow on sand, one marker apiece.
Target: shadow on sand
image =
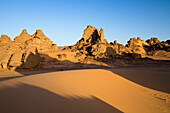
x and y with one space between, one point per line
25 98
150 77
147 77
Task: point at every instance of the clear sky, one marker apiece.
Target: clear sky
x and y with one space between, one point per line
63 21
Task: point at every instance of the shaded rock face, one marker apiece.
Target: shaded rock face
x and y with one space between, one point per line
152 41
119 48
28 51
155 45
31 59
24 51
92 35
92 42
110 52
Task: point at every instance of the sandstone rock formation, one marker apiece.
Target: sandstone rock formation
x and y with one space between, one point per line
25 50
24 36
35 51
156 45
5 40
152 41
41 42
92 42
137 45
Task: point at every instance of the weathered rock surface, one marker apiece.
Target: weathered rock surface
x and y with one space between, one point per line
31 59
5 38
41 42
92 42
153 41
30 52
24 51
24 36
155 45
137 45
15 59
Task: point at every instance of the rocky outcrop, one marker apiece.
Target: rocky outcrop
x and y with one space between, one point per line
34 51
5 40
137 45
92 42
31 59
25 50
41 42
155 45
24 36
153 41
119 48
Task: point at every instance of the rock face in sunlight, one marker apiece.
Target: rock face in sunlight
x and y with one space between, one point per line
24 51
92 42
41 42
137 45
24 36
38 51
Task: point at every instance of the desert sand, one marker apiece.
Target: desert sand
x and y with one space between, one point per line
129 90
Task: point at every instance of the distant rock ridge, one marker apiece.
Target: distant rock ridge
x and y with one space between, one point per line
93 43
29 51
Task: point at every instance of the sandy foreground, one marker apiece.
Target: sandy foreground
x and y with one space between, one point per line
86 91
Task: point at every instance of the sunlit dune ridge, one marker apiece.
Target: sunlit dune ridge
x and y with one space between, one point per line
90 90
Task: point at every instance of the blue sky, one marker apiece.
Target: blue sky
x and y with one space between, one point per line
63 21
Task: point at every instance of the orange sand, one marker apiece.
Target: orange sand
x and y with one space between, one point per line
80 91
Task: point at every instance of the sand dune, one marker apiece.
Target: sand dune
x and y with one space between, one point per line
79 91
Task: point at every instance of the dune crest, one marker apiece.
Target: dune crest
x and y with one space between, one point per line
109 87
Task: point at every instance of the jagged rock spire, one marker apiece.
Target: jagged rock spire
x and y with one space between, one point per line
24 36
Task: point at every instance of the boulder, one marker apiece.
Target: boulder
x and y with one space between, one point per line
98 49
62 56
115 42
110 52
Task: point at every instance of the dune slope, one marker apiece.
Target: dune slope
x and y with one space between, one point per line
78 91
